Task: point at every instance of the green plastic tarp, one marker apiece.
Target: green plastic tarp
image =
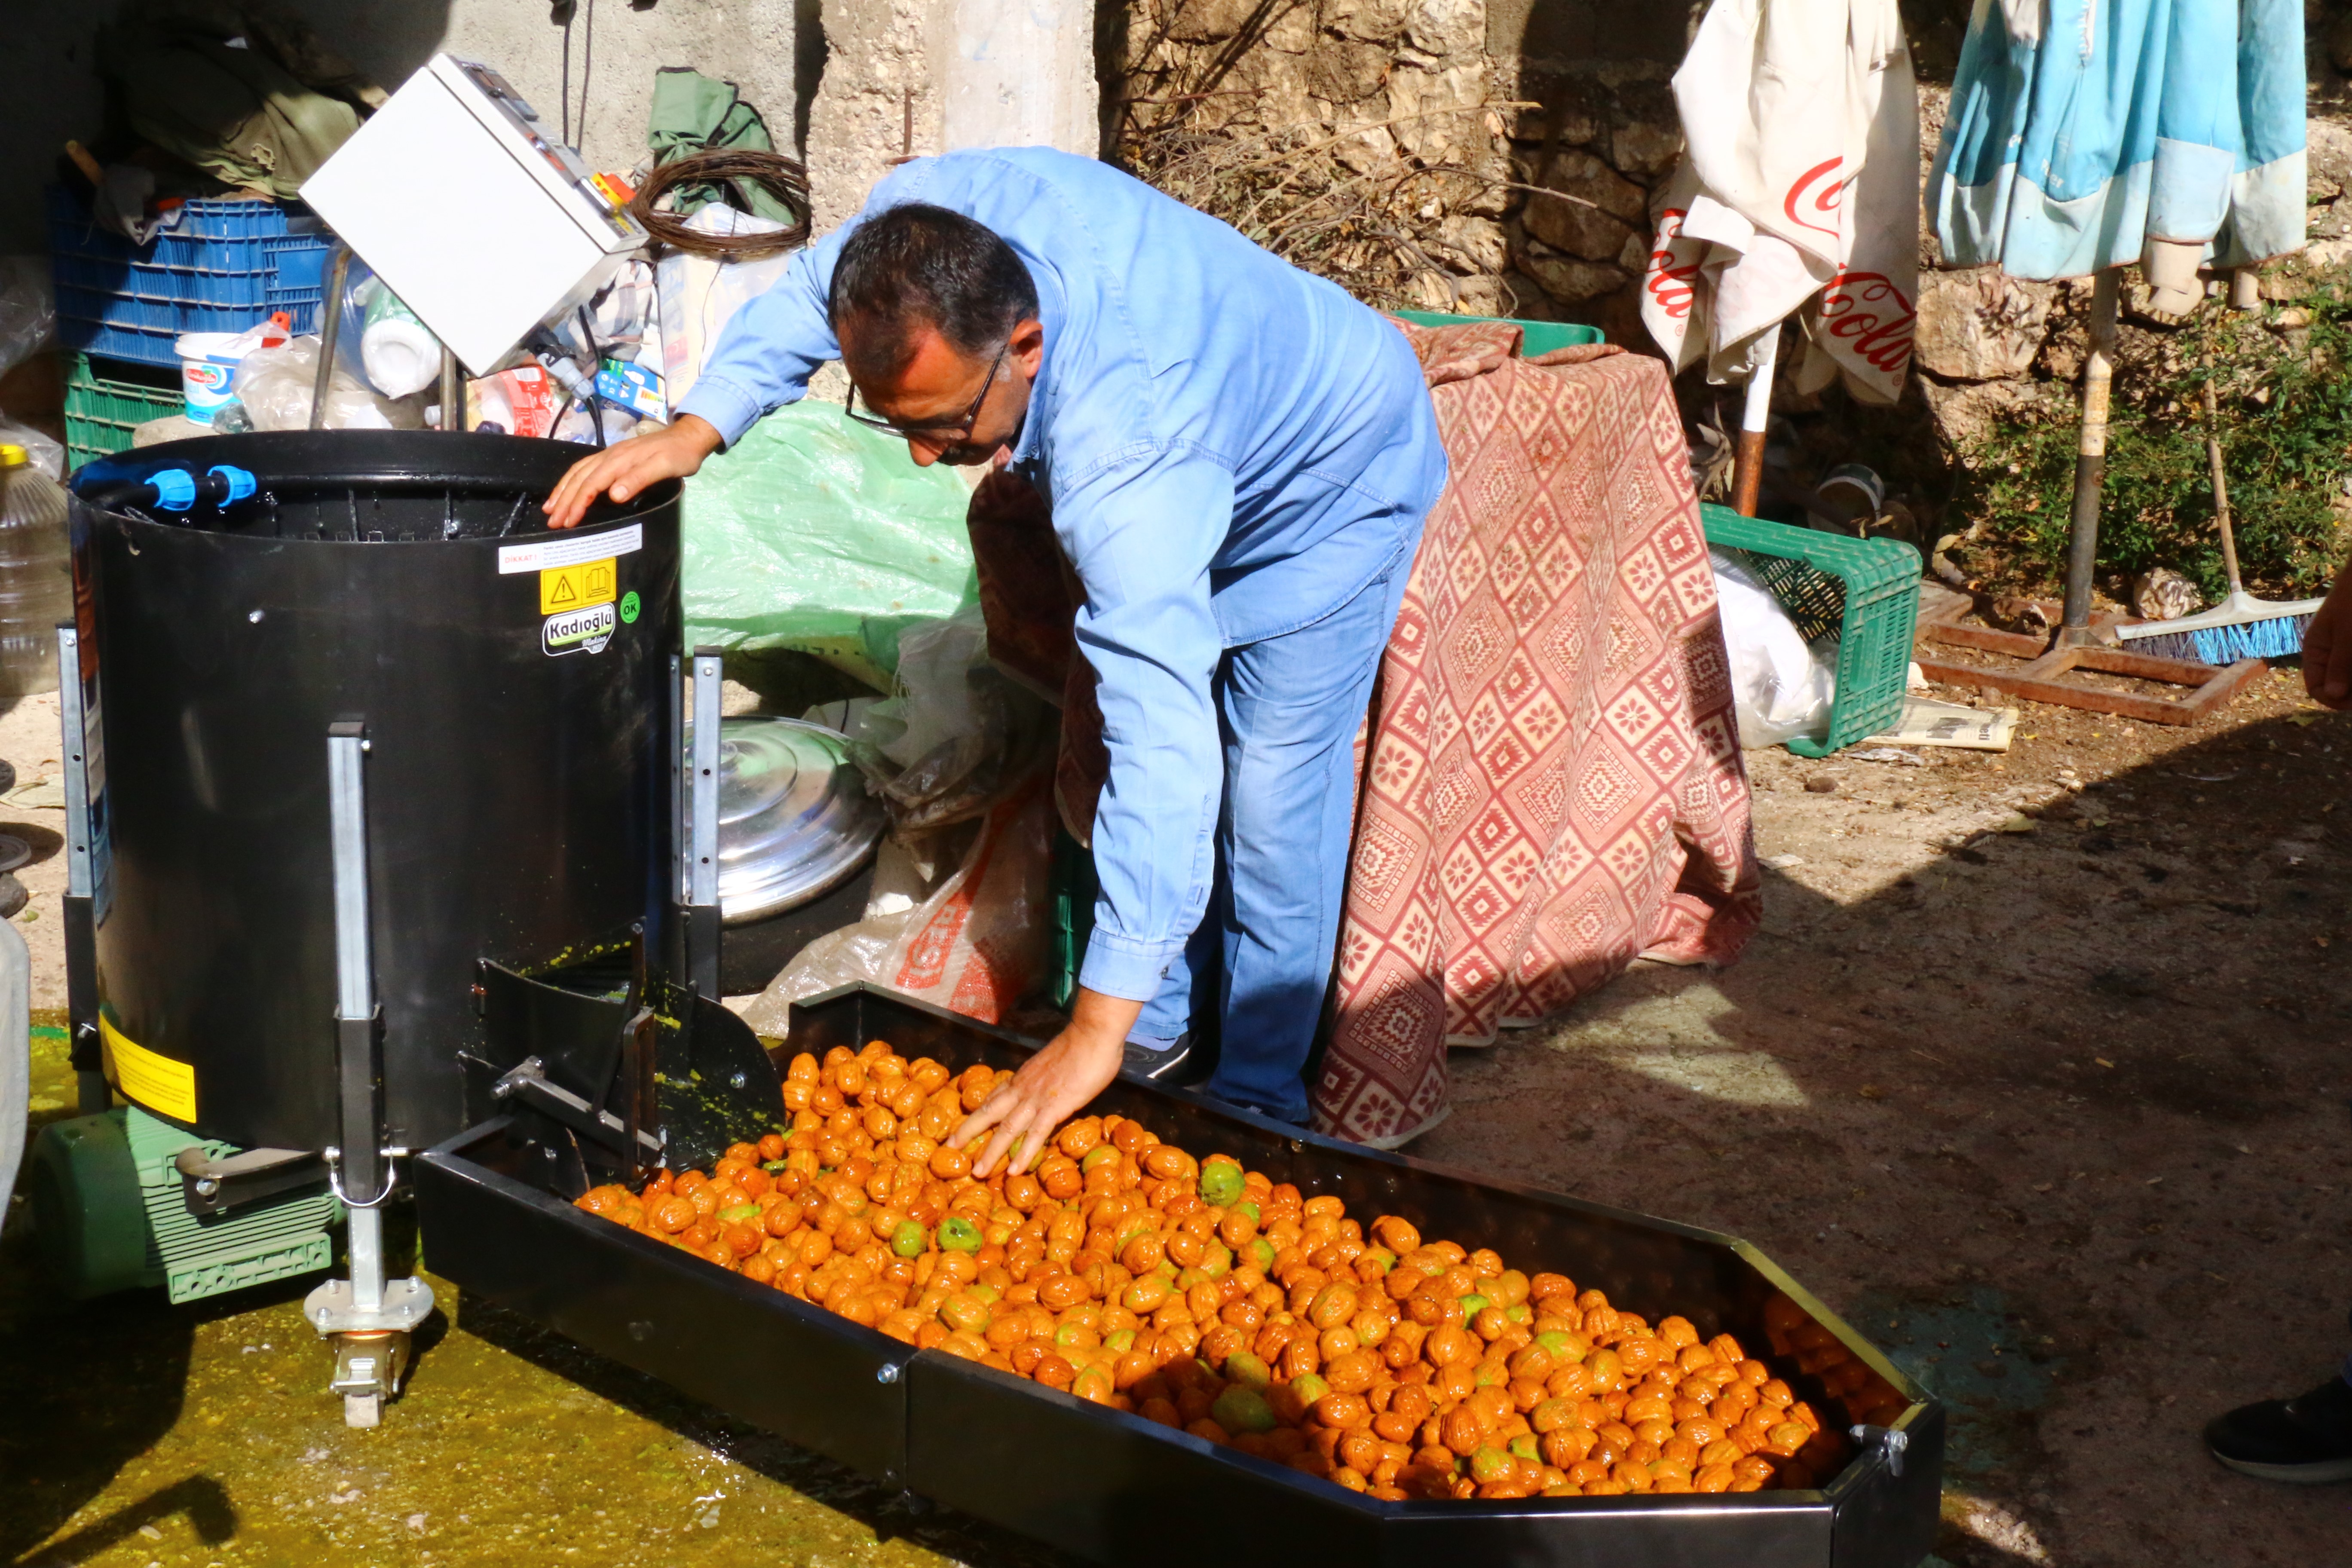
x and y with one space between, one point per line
815 534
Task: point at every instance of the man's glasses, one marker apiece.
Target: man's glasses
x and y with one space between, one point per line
951 430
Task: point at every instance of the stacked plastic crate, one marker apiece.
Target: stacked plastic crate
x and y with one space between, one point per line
224 266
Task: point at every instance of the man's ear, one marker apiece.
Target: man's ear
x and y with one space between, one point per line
1028 346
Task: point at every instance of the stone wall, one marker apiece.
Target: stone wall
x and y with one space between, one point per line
1417 151
1398 141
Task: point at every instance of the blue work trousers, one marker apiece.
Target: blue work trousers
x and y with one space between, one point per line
1257 967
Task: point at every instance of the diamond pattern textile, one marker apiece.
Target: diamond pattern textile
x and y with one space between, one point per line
1552 785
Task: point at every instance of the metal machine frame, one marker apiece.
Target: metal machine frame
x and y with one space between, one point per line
367 1317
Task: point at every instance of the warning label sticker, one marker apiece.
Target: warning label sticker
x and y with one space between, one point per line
571 550
165 1087
571 631
577 587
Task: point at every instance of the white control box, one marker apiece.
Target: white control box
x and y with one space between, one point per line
469 208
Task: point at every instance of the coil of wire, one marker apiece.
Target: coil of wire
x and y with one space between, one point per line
786 179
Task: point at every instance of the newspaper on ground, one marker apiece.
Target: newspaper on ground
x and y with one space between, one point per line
1929 722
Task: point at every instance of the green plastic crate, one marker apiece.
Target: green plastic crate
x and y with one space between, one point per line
1863 592
106 400
1536 337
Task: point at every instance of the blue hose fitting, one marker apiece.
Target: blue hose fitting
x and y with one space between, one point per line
175 489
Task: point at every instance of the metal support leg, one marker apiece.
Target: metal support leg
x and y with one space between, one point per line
368 1317
87 1054
702 830
331 323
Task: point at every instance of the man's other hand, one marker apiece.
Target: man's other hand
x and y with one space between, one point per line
2327 648
624 470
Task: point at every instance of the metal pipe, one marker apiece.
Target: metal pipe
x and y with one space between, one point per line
2091 458
682 840
1755 418
347 808
367 1258
702 915
331 323
355 1005
704 867
92 1093
453 392
77 781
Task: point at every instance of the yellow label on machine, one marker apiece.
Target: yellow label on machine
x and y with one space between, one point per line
159 1083
577 587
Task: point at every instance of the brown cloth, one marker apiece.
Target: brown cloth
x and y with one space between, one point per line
1554 785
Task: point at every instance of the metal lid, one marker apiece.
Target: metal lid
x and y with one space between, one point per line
794 819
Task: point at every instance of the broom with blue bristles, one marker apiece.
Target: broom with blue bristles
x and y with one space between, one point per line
2241 627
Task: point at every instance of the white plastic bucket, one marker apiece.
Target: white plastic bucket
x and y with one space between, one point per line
208 363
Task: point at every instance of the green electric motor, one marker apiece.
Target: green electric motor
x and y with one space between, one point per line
108 1216
89 1218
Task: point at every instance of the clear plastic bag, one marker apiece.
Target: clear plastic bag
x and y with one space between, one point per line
275 385
1781 688
28 308
956 737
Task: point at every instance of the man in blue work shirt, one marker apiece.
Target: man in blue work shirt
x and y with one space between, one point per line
1238 456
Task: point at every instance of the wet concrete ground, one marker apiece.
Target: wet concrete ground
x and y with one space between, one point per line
2056 1114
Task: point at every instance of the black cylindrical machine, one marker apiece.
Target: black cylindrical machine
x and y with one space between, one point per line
516 685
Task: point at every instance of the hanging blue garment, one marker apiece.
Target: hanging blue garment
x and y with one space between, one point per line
2083 135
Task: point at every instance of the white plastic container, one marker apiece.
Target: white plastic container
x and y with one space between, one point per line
209 360
208 363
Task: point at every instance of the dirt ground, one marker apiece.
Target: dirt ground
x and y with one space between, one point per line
2036 1073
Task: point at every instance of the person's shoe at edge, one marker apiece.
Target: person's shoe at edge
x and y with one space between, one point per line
2307 1440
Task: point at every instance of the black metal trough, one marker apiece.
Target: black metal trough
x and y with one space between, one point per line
1120 1489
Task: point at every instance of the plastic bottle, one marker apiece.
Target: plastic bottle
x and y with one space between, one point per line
36 574
399 355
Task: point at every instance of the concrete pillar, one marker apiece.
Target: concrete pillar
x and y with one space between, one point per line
1018 73
918 77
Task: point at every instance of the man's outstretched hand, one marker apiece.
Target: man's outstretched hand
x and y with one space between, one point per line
1053 1084
2327 648
625 468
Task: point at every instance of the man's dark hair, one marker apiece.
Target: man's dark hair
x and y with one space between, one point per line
918 265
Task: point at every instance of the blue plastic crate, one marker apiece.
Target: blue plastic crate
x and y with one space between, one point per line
303 271
205 225
228 265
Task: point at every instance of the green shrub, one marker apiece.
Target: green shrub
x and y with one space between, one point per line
2285 399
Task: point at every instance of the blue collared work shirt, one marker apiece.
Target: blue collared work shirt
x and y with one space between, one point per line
1233 449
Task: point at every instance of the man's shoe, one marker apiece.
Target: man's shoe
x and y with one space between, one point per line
2305 1440
1161 1061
